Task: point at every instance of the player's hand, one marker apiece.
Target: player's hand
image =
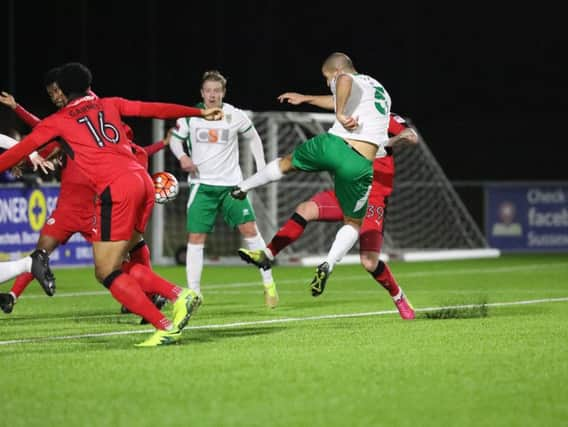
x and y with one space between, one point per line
187 165
212 113
39 162
17 171
348 122
292 98
168 136
8 100
409 136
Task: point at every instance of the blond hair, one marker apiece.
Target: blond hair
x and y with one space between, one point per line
215 76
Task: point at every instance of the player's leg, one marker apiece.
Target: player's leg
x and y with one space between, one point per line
48 244
140 253
37 263
370 243
323 206
240 214
273 171
123 210
202 207
353 175
11 269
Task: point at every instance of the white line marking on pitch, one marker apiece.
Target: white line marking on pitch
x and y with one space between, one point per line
282 320
212 286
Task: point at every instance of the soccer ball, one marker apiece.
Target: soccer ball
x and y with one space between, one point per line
166 187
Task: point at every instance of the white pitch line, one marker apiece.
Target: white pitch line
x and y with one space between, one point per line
429 273
282 320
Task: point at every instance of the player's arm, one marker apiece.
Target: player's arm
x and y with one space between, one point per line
407 136
343 86
252 137
178 137
400 131
35 158
24 115
39 136
163 110
321 101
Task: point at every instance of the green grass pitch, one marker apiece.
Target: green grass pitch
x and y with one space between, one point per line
342 359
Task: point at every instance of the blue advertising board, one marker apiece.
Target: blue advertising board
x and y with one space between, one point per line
527 218
23 212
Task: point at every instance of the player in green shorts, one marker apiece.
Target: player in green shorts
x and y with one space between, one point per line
346 151
213 168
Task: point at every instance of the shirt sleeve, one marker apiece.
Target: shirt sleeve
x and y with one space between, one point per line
159 110
154 148
27 117
245 124
40 135
179 136
396 124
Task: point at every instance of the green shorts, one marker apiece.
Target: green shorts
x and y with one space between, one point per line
205 201
352 173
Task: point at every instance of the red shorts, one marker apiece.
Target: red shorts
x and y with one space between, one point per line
124 206
74 213
371 234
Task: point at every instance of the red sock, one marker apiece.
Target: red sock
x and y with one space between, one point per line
140 254
384 276
151 283
288 233
21 283
127 292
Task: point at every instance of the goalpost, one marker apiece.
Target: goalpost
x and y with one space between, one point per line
425 217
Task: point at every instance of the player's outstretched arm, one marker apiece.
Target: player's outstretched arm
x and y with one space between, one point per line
321 101
163 110
24 115
19 151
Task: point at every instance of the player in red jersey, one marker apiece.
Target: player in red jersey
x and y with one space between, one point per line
324 206
95 139
73 212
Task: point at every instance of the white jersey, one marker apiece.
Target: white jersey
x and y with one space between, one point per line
214 145
370 103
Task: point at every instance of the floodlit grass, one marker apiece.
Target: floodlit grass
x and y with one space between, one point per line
342 359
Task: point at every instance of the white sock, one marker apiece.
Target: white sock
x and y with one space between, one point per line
194 266
345 238
270 173
11 269
257 243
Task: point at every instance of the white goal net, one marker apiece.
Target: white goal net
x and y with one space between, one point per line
425 217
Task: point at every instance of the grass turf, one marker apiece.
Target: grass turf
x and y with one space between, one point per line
344 358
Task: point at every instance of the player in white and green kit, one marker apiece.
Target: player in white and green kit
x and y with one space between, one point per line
346 151
213 168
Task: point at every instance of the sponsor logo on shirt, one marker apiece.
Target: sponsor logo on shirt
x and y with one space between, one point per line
212 136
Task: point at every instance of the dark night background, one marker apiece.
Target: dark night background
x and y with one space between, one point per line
485 84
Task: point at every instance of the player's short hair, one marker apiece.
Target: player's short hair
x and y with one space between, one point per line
338 61
51 76
74 78
214 75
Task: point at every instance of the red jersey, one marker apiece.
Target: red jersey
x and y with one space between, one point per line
75 187
95 136
383 168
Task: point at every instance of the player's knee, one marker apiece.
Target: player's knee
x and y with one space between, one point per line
109 278
286 164
102 272
308 210
369 260
248 229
